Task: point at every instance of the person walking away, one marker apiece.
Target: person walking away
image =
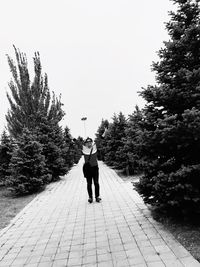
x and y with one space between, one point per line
90 156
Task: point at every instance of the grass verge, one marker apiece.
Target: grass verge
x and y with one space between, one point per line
10 206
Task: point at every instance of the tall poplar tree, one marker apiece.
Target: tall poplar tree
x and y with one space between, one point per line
29 101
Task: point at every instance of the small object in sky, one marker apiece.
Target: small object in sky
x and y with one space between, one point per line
84 118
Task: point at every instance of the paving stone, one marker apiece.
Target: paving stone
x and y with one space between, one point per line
20 262
31 259
119 256
45 264
5 263
48 259
134 253
60 263
136 261
104 264
121 263
173 263
10 256
32 265
189 261
156 264
89 259
151 258
104 257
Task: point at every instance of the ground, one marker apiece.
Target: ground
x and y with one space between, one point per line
10 206
187 232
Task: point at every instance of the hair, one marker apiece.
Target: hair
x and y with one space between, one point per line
88 139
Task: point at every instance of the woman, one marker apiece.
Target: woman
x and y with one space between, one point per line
90 156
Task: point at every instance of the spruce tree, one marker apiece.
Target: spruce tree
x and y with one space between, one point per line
6 149
77 144
114 141
70 150
171 126
27 168
100 141
51 136
132 142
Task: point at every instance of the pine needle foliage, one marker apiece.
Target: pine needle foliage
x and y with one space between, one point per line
171 127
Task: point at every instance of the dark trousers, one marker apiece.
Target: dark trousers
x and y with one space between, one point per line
93 176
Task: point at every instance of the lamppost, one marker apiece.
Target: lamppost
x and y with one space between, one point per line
84 119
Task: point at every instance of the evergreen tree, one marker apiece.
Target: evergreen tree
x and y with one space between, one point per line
6 149
132 141
69 151
51 136
27 167
171 126
114 140
78 143
100 141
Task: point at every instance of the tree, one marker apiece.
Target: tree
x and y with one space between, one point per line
114 141
51 136
100 141
132 142
171 125
73 151
33 107
30 102
68 152
6 149
78 143
27 167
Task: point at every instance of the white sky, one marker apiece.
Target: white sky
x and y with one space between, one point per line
97 53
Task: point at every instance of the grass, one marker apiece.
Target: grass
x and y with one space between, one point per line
185 230
10 205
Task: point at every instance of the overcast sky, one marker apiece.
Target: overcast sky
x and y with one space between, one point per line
97 53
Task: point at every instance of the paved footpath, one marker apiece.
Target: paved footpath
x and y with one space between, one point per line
60 228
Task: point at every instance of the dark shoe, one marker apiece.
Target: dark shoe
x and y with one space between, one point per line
98 199
90 200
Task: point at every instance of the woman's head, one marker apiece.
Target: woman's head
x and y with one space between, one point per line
88 142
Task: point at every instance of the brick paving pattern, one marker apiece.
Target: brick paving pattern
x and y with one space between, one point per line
60 228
